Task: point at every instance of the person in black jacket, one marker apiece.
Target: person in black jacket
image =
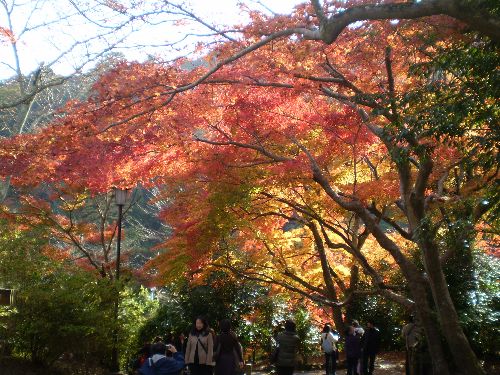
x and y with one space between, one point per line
288 346
370 345
352 350
228 355
180 342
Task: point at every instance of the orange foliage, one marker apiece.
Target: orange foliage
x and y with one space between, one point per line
230 150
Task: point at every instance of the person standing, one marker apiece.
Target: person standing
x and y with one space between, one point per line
352 350
287 346
199 349
169 338
211 331
370 347
358 330
228 353
180 342
329 347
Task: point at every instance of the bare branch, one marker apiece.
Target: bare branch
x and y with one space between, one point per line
201 21
262 150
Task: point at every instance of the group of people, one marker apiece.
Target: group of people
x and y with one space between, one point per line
203 352
361 347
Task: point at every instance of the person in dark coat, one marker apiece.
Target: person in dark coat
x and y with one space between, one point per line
371 346
160 364
180 342
352 350
228 354
288 346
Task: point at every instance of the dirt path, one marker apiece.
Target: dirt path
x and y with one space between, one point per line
391 363
385 364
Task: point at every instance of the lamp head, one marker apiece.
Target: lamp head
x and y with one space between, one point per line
121 196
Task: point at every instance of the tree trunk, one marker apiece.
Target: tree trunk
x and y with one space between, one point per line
353 283
337 319
463 356
327 277
416 280
417 284
431 328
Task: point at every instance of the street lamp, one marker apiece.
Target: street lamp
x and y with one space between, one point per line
121 198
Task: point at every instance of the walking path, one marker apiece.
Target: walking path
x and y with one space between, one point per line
391 363
386 364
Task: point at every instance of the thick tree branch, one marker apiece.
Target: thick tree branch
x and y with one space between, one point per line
325 266
467 12
405 234
262 150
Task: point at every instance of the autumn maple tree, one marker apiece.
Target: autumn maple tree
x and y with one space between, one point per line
82 226
367 141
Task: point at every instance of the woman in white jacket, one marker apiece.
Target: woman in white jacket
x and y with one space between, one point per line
329 347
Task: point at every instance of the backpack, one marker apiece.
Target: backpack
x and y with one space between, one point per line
326 343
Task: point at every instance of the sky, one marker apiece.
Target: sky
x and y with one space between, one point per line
59 36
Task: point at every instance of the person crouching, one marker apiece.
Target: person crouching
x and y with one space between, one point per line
161 364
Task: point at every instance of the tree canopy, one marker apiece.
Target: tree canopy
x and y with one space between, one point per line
313 152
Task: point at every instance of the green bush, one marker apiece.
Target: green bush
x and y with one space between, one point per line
255 314
62 309
58 307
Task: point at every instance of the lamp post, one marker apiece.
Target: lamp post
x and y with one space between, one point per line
121 197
